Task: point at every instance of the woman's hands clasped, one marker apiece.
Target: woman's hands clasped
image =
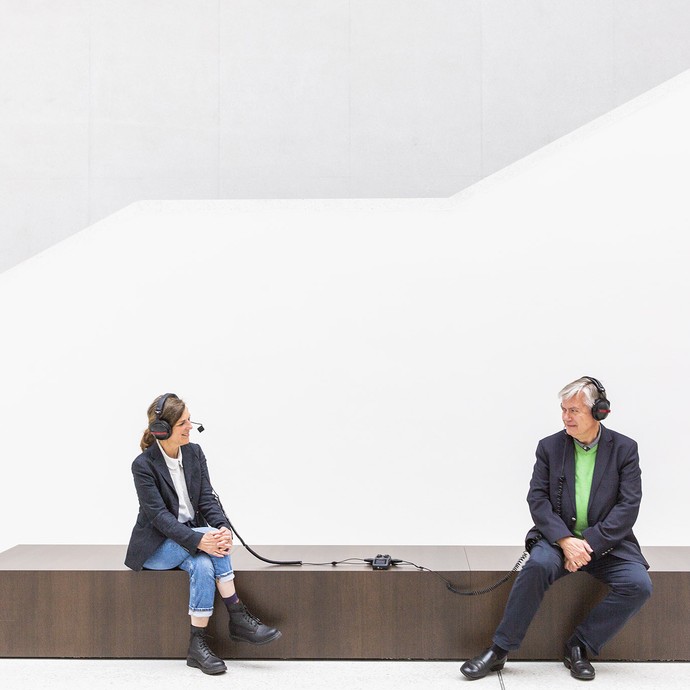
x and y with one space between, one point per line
216 543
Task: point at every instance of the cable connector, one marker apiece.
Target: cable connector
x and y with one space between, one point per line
383 561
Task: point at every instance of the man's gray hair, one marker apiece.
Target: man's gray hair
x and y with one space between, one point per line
583 385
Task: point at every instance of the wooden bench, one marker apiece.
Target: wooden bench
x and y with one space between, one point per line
81 601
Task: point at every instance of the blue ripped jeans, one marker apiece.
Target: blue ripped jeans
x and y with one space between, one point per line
203 571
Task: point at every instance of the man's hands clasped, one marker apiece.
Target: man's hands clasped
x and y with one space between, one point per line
576 553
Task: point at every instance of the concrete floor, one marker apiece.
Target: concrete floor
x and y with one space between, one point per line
86 674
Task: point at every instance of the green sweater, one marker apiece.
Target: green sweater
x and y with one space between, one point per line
584 470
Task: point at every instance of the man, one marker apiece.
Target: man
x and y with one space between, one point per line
584 498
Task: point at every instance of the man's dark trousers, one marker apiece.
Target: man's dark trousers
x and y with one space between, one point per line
629 583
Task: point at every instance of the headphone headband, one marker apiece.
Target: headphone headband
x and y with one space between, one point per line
597 384
161 403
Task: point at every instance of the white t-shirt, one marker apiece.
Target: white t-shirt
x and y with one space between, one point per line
185 512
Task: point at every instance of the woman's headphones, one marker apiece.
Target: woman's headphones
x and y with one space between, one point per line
159 427
601 407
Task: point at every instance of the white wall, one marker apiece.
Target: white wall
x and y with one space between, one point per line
104 103
368 372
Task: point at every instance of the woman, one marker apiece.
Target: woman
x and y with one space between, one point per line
176 506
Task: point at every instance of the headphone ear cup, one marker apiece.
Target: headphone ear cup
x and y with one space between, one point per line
160 429
601 409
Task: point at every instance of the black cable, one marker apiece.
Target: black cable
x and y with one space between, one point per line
244 543
255 554
346 560
449 585
561 481
473 593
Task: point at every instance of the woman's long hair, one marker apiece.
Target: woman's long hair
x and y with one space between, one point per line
172 411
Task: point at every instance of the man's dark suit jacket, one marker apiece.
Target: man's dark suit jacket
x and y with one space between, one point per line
614 501
159 504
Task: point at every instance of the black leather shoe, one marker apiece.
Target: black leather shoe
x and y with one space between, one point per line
200 656
575 658
482 664
246 627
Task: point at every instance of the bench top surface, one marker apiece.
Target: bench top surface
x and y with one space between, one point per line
110 557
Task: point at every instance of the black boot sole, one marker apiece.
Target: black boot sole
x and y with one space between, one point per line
208 671
272 638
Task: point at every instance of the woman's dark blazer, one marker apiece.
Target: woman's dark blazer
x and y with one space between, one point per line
159 504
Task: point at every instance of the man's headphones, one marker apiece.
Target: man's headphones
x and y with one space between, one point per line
159 427
601 407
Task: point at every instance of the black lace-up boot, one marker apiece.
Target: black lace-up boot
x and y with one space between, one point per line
200 656
245 627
